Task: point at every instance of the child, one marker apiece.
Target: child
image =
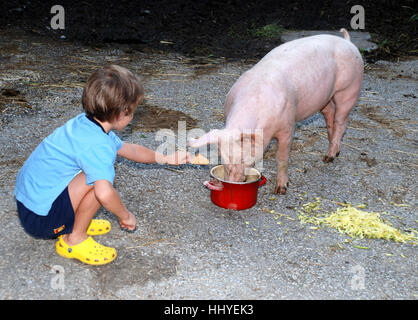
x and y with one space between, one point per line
69 176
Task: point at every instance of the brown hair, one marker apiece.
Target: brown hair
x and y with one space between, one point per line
110 91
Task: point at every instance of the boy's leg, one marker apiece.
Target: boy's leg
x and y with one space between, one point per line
85 206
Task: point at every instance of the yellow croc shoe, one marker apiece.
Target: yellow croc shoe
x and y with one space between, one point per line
98 227
88 251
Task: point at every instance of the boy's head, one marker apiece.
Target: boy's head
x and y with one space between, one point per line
110 92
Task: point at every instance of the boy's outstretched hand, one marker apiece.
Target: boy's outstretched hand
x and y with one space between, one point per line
179 157
128 223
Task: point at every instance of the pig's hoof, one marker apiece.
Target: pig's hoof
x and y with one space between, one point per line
327 159
281 189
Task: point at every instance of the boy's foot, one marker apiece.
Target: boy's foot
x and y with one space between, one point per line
98 227
88 251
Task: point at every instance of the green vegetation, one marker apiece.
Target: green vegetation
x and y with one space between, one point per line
271 31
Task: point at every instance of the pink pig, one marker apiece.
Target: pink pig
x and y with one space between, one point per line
291 83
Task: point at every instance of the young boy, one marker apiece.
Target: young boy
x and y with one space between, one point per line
69 176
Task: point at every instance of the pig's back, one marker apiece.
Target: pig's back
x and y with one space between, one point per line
311 47
308 71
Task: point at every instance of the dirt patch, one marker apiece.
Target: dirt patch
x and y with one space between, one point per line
219 115
357 124
383 72
153 118
371 162
204 69
203 66
13 162
298 145
398 194
12 98
392 124
149 70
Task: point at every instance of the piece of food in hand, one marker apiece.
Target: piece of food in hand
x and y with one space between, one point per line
199 159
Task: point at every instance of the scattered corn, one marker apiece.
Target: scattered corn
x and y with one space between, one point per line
356 223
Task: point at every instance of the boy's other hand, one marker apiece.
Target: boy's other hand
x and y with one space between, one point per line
179 157
129 222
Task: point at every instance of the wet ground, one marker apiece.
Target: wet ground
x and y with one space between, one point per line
185 247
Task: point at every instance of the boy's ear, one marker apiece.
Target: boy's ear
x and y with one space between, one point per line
212 136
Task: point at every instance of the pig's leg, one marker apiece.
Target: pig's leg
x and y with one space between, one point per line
282 158
329 114
344 102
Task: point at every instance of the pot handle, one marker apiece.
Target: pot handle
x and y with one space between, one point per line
262 181
210 186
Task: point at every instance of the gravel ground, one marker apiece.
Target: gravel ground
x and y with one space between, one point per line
185 247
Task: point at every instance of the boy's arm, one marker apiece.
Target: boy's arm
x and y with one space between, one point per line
110 200
142 154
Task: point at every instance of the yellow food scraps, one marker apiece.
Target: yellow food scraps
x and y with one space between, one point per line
399 204
356 223
200 159
362 206
312 206
360 247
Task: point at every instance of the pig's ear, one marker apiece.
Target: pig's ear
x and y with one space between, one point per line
212 136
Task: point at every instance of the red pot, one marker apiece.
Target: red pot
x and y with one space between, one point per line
234 195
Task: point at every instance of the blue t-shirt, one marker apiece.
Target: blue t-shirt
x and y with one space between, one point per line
80 144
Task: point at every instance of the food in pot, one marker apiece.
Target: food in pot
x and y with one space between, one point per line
253 174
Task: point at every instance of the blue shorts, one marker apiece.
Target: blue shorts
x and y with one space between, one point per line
60 218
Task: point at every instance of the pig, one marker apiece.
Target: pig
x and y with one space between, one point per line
321 73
